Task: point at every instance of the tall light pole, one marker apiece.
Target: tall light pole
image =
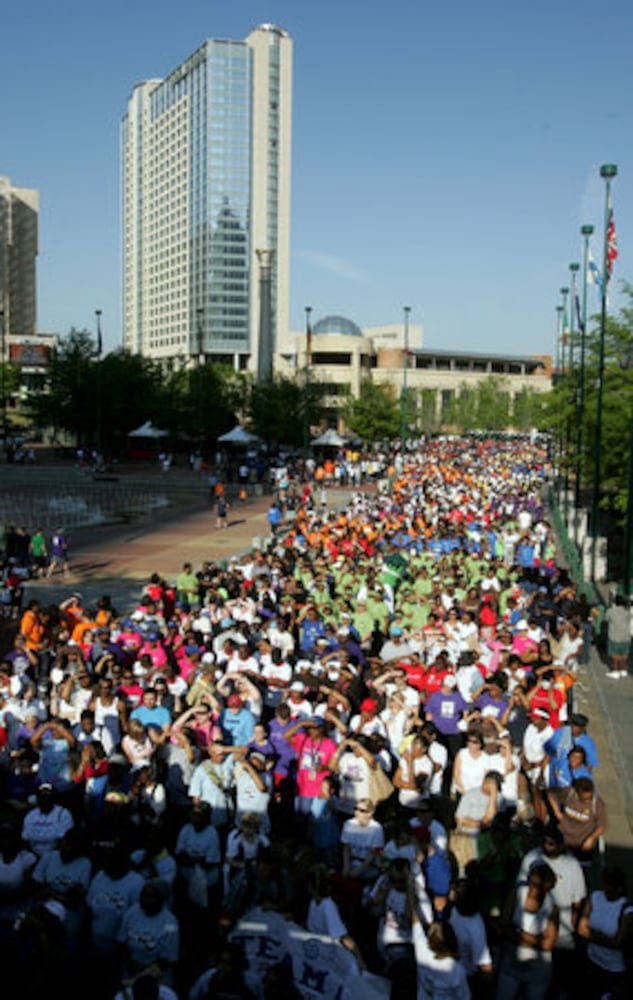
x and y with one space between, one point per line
559 337
564 292
561 457
3 373
99 352
306 402
608 171
586 232
405 365
200 335
573 270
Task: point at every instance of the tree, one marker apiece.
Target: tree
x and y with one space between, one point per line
493 404
198 404
282 410
375 415
528 409
69 402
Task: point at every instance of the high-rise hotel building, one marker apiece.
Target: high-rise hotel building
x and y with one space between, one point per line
19 215
206 188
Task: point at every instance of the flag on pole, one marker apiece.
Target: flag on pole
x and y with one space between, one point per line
612 243
593 274
309 343
581 324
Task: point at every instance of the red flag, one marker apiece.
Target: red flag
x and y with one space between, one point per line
612 243
309 343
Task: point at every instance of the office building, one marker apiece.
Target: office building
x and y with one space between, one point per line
206 197
342 355
19 208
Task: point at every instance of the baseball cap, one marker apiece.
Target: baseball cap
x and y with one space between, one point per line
368 705
450 681
540 713
208 658
234 701
297 686
395 630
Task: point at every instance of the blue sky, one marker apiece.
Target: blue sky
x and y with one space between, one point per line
445 154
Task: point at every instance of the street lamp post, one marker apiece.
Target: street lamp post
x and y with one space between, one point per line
99 352
561 456
573 269
405 365
586 232
306 402
608 171
200 335
559 337
3 373
564 292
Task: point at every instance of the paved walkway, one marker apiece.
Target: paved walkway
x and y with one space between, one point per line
119 560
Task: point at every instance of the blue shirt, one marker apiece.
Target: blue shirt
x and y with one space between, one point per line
237 727
157 717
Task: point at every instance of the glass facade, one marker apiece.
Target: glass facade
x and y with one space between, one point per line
224 290
202 153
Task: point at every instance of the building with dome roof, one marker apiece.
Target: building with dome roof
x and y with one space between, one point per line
341 355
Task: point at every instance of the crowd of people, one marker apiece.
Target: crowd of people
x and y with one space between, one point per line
366 730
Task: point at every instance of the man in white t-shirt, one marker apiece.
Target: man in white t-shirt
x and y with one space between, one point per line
568 893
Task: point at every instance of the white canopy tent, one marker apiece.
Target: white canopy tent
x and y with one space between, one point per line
330 438
147 430
238 435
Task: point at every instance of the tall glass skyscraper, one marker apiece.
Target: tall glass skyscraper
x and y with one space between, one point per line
206 186
19 215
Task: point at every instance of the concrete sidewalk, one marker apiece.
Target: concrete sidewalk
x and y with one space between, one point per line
119 560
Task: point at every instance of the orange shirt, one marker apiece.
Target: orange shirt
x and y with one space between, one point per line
32 629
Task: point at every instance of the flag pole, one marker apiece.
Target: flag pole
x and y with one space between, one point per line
561 454
403 401
608 171
306 402
573 270
99 353
586 232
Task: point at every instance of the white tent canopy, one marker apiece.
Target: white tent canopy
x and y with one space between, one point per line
147 430
329 437
238 435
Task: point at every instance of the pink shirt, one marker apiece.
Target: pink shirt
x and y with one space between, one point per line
313 756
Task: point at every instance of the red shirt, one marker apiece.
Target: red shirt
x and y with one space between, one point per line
541 699
433 680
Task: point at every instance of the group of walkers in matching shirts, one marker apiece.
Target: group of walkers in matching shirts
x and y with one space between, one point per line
366 729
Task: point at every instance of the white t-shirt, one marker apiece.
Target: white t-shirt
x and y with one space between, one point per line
570 888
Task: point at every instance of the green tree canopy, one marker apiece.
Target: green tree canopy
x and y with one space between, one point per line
376 414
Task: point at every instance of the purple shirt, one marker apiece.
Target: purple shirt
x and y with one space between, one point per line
283 748
498 707
445 711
